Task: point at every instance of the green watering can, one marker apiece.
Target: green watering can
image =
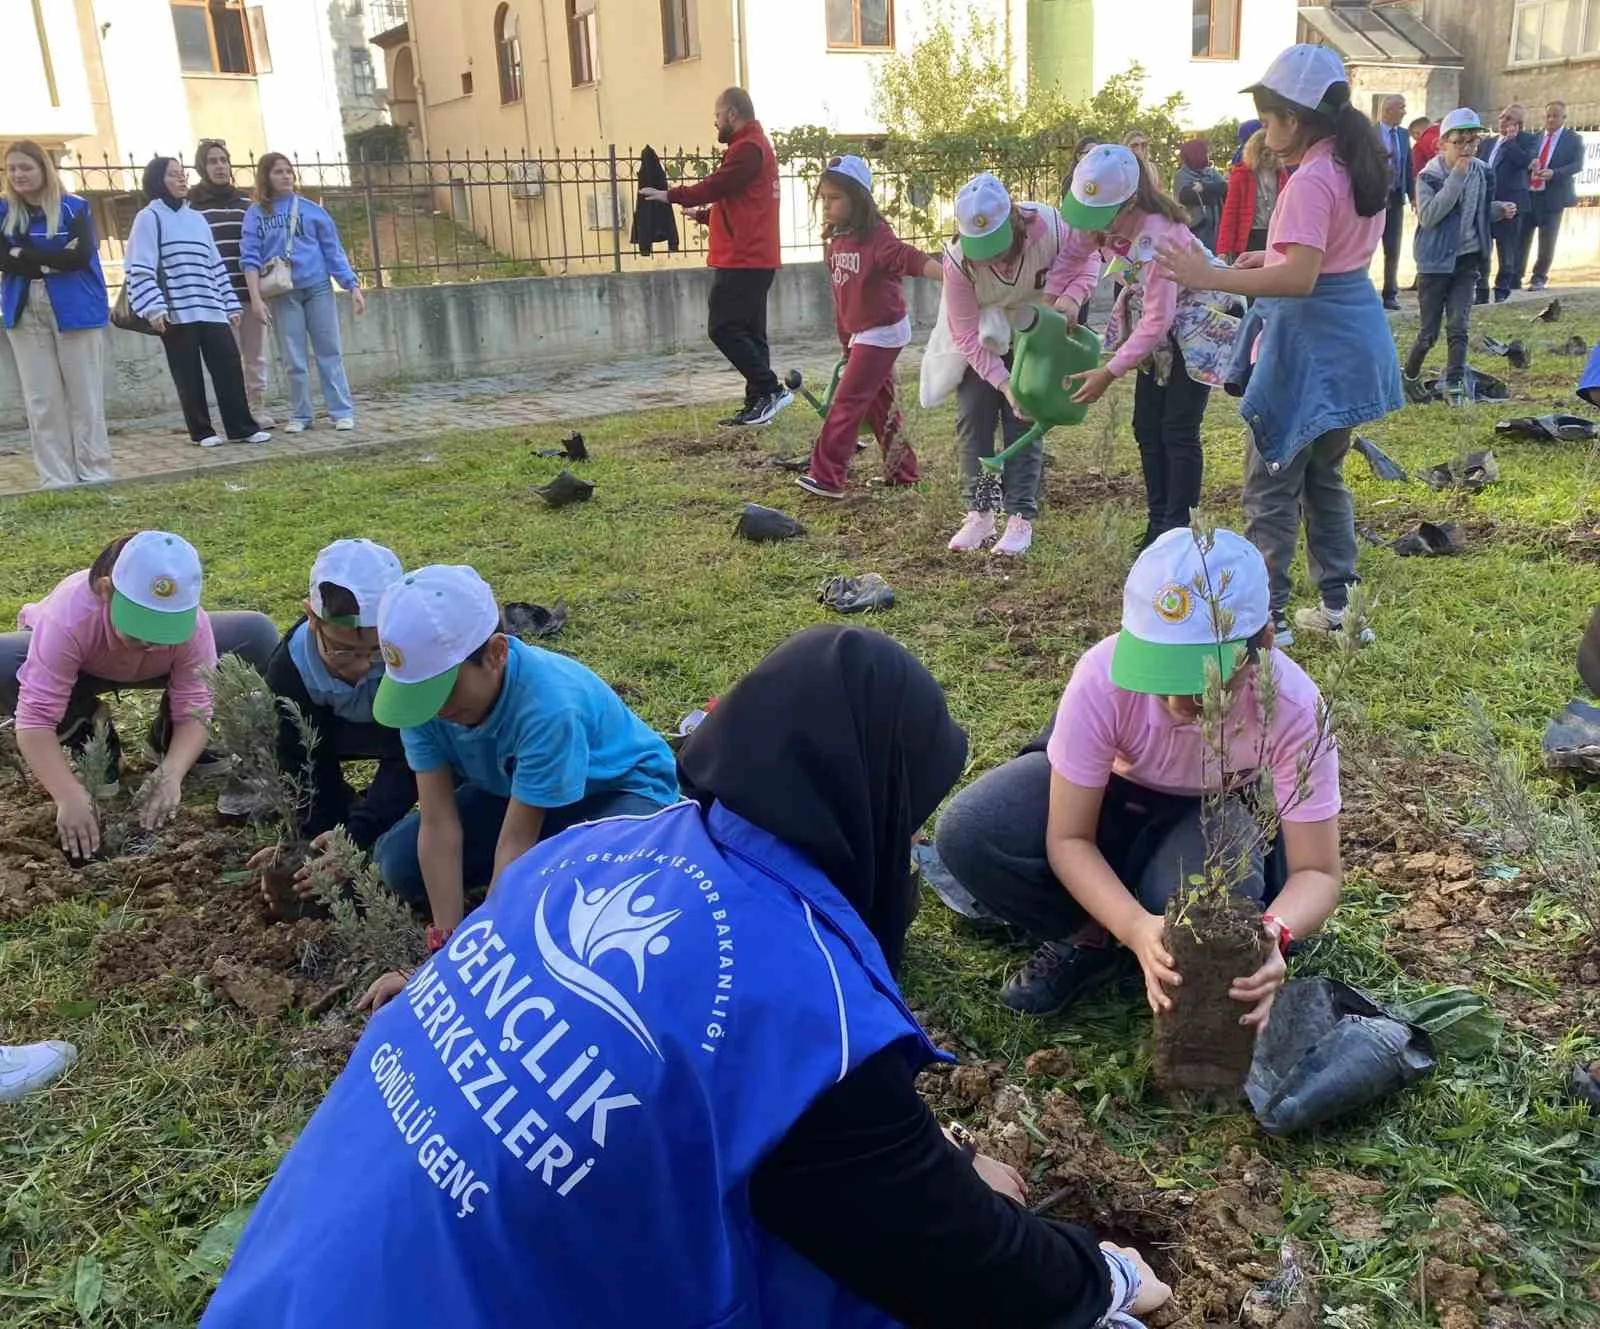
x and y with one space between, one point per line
795 381
1045 356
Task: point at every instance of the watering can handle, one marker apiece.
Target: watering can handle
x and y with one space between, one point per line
998 461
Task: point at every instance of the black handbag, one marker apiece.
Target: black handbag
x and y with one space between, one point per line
122 315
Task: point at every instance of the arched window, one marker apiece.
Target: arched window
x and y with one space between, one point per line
580 41
508 55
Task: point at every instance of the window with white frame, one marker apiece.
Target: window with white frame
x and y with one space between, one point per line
1554 30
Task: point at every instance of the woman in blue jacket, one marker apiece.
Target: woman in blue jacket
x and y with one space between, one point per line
283 224
664 1076
54 301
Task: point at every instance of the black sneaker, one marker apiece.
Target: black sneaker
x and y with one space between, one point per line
740 418
1059 973
765 411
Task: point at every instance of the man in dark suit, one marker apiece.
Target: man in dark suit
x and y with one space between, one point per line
1402 193
1510 157
1557 159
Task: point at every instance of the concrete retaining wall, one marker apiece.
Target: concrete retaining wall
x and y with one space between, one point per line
484 328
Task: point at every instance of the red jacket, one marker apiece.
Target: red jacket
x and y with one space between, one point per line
866 279
1426 148
743 192
1239 211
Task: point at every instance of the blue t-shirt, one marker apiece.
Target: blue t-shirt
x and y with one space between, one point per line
556 735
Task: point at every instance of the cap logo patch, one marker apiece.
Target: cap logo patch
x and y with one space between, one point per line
1174 603
981 220
1090 189
163 588
392 656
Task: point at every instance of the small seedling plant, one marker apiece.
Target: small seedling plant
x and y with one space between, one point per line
1213 932
371 925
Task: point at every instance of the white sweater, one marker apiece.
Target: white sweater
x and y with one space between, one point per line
194 285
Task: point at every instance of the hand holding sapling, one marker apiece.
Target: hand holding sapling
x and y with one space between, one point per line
1260 989
1146 939
384 989
76 824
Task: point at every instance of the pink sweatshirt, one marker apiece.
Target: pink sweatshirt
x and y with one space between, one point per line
1071 279
72 636
1135 237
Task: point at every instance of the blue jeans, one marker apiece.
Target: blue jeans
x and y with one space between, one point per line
481 813
309 315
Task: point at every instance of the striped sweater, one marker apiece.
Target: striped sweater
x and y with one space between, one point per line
224 209
193 285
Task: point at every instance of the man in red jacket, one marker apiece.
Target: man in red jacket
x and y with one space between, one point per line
740 199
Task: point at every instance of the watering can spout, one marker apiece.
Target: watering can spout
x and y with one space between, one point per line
997 463
1046 358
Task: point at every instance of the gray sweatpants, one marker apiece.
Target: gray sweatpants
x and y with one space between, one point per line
1310 487
979 409
992 837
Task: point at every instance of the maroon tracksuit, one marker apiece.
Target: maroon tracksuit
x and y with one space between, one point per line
866 294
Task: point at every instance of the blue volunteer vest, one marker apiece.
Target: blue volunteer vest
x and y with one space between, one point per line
555 1124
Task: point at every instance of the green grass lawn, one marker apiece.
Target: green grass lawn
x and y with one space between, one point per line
119 1189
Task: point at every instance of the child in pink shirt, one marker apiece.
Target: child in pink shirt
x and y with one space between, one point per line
1006 256
1118 211
1092 831
132 619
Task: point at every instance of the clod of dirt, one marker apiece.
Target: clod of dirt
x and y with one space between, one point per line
1349 1214
264 994
1459 1231
1051 1064
970 1085
1201 1049
1451 1291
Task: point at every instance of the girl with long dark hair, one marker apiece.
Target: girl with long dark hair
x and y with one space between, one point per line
1317 331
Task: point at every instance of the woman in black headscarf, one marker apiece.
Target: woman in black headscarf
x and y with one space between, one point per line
851 1208
178 284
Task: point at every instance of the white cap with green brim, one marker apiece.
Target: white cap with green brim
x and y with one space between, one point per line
1185 603
1463 117
983 218
365 569
430 621
155 589
1101 184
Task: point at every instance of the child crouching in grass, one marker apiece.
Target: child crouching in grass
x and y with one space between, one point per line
866 261
1082 840
130 620
329 665
511 744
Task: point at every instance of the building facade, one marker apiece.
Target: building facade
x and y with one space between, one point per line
123 80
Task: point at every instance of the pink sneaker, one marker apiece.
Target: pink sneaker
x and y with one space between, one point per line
978 527
1018 536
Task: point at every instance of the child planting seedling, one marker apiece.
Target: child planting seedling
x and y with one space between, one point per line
244 722
1085 841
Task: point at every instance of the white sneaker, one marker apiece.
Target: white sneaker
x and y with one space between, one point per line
260 436
978 527
296 427
345 425
1327 621
211 441
263 420
24 1069
1018 536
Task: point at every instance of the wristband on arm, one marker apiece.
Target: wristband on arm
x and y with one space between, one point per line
1279 931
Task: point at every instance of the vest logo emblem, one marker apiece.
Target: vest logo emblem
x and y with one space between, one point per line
600 920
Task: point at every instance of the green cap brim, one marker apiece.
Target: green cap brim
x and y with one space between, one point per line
151 625
1163 669
1081 217
411 705
982 247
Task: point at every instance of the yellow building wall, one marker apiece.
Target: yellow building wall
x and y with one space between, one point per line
226 107
635 99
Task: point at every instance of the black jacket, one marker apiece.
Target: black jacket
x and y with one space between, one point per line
653 223
366 816
1512 157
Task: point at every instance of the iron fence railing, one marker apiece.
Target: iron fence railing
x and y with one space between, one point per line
449 219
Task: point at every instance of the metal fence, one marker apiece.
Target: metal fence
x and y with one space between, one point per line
449 219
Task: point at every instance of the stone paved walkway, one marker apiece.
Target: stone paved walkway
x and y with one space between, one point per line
159 446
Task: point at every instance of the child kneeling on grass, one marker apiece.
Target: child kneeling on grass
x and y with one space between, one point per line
131 620
866 261
1092 832
329 665
1456 212
511 744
